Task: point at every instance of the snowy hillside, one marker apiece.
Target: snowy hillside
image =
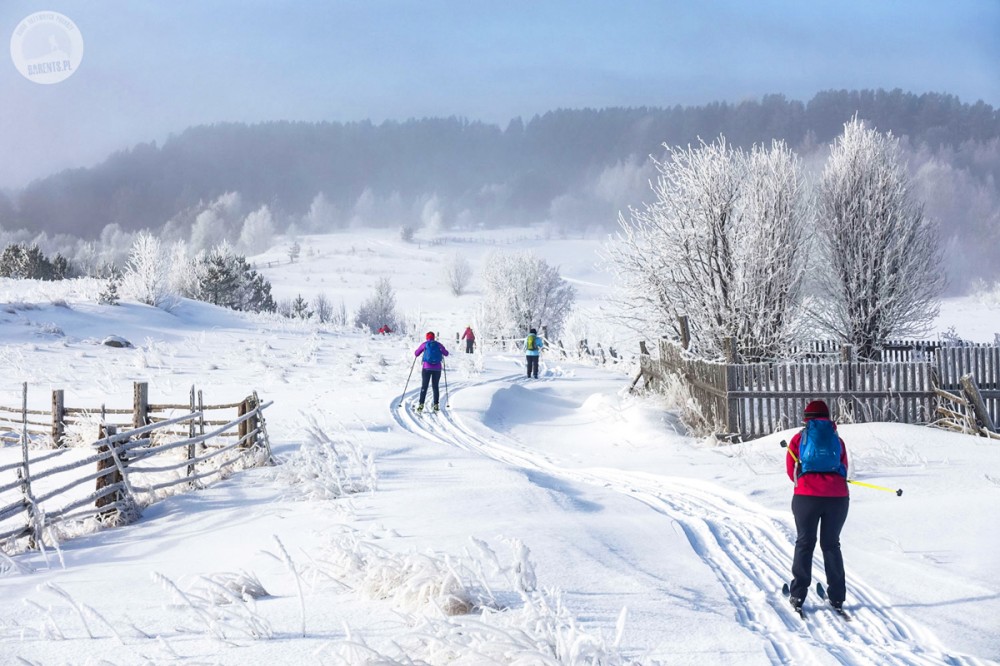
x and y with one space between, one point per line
557 520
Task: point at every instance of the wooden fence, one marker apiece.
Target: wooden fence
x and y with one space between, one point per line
128 469
754 399
61 424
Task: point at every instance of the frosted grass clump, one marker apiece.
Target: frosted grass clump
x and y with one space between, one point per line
471 625
229 587
327 467
235 617
414 583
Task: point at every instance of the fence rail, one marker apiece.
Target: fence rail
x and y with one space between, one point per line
754 399
128 469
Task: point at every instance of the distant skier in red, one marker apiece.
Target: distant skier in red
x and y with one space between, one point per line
470 339
385 330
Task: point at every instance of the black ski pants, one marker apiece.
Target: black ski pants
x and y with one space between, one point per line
433 377
532 366
469 344
826 515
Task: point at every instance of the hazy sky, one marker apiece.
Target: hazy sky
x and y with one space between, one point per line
152 67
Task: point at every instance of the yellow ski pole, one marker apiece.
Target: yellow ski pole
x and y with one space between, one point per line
899 491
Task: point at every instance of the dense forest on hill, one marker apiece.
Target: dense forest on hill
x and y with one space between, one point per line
574 168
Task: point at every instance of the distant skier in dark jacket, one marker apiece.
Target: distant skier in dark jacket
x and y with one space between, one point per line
820 503
470 339
433 353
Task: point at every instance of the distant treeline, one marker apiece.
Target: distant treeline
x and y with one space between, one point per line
574 168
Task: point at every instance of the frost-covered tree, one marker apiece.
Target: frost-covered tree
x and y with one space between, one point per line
322 308
721 244
882 255
109 294
300 308
523 291
257 232
379 309
457 274
770 253
183 278
27 262
208 230
146 274
294 250
226 279
322 215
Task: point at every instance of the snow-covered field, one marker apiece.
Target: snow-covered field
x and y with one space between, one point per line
557 520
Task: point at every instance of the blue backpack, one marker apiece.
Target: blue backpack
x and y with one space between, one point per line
432 352
820 449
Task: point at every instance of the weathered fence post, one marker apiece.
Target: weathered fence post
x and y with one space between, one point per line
110 477
58 419
201 410
140 404
25 474
241 428
191 447
732 415
971 390
260 422
249 426
685 329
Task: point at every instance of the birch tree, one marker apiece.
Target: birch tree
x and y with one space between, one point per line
457 274
379 309
522 291
770 254
720 245
257 232
883 256
146 275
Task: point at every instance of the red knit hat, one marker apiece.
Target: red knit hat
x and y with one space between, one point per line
430 335
816 409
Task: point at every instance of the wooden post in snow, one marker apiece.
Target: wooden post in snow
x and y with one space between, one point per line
140 404
975 398
25 474
58 419
111 475
191 447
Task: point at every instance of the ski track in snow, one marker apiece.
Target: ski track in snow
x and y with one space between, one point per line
748 551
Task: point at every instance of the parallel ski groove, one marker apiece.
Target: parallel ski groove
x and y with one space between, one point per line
747 550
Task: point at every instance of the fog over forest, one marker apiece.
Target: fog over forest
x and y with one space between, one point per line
571 169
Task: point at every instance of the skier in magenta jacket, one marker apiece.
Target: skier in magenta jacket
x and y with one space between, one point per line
819 504
433 353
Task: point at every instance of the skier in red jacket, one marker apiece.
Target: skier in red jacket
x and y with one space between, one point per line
470 339
820 503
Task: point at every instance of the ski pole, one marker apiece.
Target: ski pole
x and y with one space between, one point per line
447 397
898 491
407 384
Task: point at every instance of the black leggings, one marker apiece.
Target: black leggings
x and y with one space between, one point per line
826 515
532 366
432 376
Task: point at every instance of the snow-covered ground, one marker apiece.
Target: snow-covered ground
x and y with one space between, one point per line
590 528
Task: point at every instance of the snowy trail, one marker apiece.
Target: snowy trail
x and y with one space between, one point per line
747 550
